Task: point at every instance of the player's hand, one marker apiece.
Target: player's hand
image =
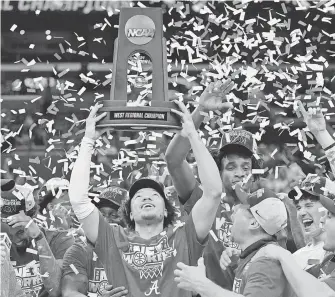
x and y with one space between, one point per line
21 220
191 278
313 118
214 96
229 256
116 292
91 121
3 253
186 119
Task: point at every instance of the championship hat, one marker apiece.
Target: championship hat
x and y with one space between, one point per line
15 198
111 196
146 183
268 210
238 139
314 185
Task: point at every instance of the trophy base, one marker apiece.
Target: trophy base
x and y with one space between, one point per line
132 118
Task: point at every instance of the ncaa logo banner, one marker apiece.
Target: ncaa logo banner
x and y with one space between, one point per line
140 29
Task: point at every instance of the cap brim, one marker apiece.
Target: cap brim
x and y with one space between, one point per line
293 193
7 184
105 203
145 183
327 203
235 147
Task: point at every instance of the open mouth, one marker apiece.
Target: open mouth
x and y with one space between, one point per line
307 223
147 206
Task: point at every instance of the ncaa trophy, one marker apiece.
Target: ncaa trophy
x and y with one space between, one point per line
140 31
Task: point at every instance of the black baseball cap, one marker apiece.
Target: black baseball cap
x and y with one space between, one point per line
146 183
237 139
111 196
7 184
13 200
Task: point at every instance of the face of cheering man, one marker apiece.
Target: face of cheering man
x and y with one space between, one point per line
234 169
147 206
309 214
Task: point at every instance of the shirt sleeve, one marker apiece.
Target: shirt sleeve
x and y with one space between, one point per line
194 246
59 243
265 278
78 257
105 241
195 196
330 154
330 281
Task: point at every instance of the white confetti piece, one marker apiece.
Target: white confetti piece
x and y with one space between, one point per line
13 28
31 251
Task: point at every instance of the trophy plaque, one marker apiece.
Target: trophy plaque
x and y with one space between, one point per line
140 31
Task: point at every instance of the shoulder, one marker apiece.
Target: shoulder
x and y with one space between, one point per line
265 266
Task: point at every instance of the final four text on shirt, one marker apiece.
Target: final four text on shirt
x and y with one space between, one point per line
146 115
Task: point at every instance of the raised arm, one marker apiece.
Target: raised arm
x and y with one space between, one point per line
302 283
204 211
85 211
316 123
213 98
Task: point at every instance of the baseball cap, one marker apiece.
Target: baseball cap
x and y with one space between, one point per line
268 210
111 196
314 185
13 200
239 139
146 183
7 184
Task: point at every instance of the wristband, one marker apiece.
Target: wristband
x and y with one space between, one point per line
39 236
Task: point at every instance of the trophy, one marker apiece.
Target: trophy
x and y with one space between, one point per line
140 31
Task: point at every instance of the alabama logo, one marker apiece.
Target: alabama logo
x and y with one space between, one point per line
148 260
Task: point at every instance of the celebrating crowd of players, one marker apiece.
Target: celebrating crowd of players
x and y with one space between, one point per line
231 238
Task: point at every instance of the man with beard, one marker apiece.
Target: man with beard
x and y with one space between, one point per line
308 205
143 258
235 160
36 253
83 273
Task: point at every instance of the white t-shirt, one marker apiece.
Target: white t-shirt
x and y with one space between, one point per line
310 251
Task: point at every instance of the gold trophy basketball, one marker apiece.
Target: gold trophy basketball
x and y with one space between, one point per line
140 31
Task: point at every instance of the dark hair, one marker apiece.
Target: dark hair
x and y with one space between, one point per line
238 150
306 197
125 209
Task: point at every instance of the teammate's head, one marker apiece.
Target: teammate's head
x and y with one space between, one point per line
309 207
147 204
109 202
235 158
12 202
263 217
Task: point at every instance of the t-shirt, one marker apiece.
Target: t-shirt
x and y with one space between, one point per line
27 265
309 255
216 242
146 266
260 276
86 262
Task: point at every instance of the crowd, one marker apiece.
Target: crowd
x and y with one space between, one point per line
219 231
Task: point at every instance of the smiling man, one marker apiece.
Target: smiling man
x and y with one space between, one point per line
142 258
309 209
